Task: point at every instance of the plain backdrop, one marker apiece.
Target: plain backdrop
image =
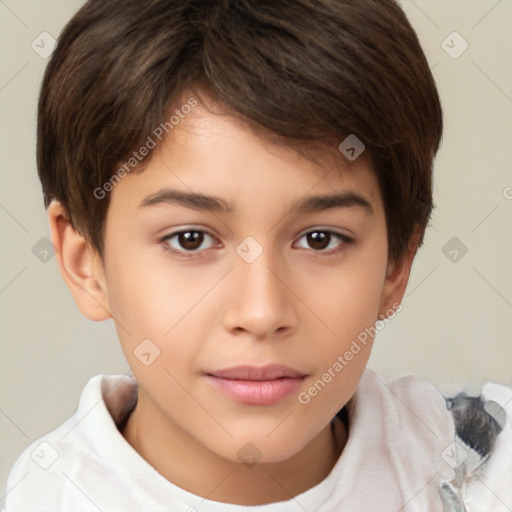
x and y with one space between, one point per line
455 328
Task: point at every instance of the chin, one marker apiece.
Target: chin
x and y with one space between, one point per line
258 449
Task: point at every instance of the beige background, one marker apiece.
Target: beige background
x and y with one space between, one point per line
455 328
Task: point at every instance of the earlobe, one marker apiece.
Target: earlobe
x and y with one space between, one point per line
80 266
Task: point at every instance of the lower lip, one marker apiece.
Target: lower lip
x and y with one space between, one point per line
257 392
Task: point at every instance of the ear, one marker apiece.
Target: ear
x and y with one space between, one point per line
397 278
80 265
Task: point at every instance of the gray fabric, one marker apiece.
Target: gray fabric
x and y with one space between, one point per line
477 425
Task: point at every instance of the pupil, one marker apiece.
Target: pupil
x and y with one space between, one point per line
191 239
318 240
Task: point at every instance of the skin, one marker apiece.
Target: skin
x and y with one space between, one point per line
293 305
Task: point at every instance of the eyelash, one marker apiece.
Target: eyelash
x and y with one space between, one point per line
344 239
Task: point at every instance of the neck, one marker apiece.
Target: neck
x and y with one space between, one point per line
188 464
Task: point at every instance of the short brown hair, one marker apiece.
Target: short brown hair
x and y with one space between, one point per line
304 71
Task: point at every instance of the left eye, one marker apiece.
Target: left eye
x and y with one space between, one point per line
319 240
187 241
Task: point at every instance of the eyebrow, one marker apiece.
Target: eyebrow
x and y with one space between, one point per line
194 200
203 202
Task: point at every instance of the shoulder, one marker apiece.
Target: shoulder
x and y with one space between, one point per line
466 440
409 400
410 422
40 475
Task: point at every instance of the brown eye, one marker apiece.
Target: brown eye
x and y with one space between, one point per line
323 241
190 240
318 239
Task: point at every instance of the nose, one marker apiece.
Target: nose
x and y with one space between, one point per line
262 302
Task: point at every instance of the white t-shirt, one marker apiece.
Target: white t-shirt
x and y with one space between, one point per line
399 451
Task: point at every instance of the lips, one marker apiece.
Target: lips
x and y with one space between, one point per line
257 385
270 372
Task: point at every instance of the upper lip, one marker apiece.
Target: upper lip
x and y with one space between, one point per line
247 372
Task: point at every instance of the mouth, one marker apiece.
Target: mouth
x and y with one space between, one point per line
254 385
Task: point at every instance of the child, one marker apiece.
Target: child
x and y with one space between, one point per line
242 187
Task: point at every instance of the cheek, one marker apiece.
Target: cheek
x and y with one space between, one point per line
146 292
152 299
342 351
346 300
347 297
351 316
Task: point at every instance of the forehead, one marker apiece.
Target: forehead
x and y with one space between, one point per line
214 128
212 152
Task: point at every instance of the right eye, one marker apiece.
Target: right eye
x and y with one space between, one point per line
189 241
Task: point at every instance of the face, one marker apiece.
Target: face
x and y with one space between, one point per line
237 295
